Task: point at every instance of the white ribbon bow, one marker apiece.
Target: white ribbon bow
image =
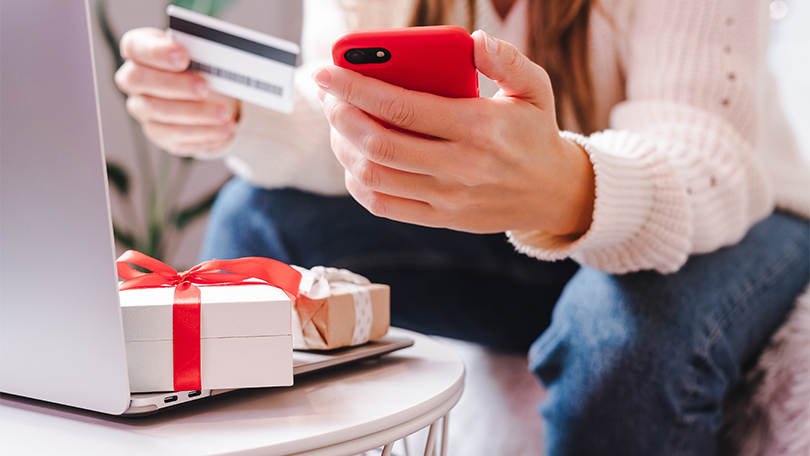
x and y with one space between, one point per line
317 283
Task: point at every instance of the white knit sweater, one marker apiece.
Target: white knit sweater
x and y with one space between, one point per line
693 147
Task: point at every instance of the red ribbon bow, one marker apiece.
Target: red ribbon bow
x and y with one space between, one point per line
186 307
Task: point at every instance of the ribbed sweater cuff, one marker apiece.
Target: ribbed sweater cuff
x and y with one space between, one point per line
640 218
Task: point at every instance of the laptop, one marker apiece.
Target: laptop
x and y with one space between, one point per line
61 333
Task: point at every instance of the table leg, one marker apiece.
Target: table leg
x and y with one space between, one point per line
431 441
444 435
430 446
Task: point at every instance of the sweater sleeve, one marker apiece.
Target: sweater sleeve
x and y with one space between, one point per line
274 150
676 173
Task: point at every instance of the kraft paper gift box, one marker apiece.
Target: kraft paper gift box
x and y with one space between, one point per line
337 308
221 324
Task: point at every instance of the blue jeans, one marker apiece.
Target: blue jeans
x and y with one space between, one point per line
635 364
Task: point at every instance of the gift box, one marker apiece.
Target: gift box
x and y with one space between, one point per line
337 308
235 331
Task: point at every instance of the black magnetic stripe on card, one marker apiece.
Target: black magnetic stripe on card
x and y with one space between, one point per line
231 40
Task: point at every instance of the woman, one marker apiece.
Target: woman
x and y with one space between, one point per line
662 187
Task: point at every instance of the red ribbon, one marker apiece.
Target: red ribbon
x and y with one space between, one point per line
186 306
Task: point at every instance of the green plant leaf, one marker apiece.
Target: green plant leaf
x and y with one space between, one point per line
209 7
155 246
109 34
118 177
185 216
124 238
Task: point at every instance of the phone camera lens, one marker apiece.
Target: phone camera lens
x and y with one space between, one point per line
355 55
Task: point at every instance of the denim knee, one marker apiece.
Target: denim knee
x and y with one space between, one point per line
611 358
641 362
242 223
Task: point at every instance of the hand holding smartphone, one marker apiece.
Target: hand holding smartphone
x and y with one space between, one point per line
437 60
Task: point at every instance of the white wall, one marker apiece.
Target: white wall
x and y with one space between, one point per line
790 60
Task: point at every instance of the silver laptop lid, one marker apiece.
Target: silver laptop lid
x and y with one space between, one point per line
61 338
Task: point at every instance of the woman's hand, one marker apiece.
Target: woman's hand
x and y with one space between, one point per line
491 164
175 107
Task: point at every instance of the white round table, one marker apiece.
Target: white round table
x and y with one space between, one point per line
343 411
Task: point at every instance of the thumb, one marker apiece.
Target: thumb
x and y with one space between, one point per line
515 74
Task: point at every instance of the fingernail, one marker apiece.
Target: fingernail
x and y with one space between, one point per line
200 88
322 77
321 94
178 60
490 44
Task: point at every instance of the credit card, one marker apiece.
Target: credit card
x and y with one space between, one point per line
236 61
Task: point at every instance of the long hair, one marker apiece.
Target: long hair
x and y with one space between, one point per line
558 41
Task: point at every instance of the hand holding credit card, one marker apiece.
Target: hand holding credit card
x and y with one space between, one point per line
245 64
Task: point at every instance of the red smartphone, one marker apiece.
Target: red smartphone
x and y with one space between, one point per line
438 60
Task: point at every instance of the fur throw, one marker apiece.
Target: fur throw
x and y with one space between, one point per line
771 416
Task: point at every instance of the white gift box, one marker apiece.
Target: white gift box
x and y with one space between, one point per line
245 337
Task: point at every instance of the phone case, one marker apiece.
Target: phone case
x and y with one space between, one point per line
437 60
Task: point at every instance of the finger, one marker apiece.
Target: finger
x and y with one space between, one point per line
151 47
133 79
170 137
515 74
413 111
179 112
387 147
201 150
392 207
381 178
